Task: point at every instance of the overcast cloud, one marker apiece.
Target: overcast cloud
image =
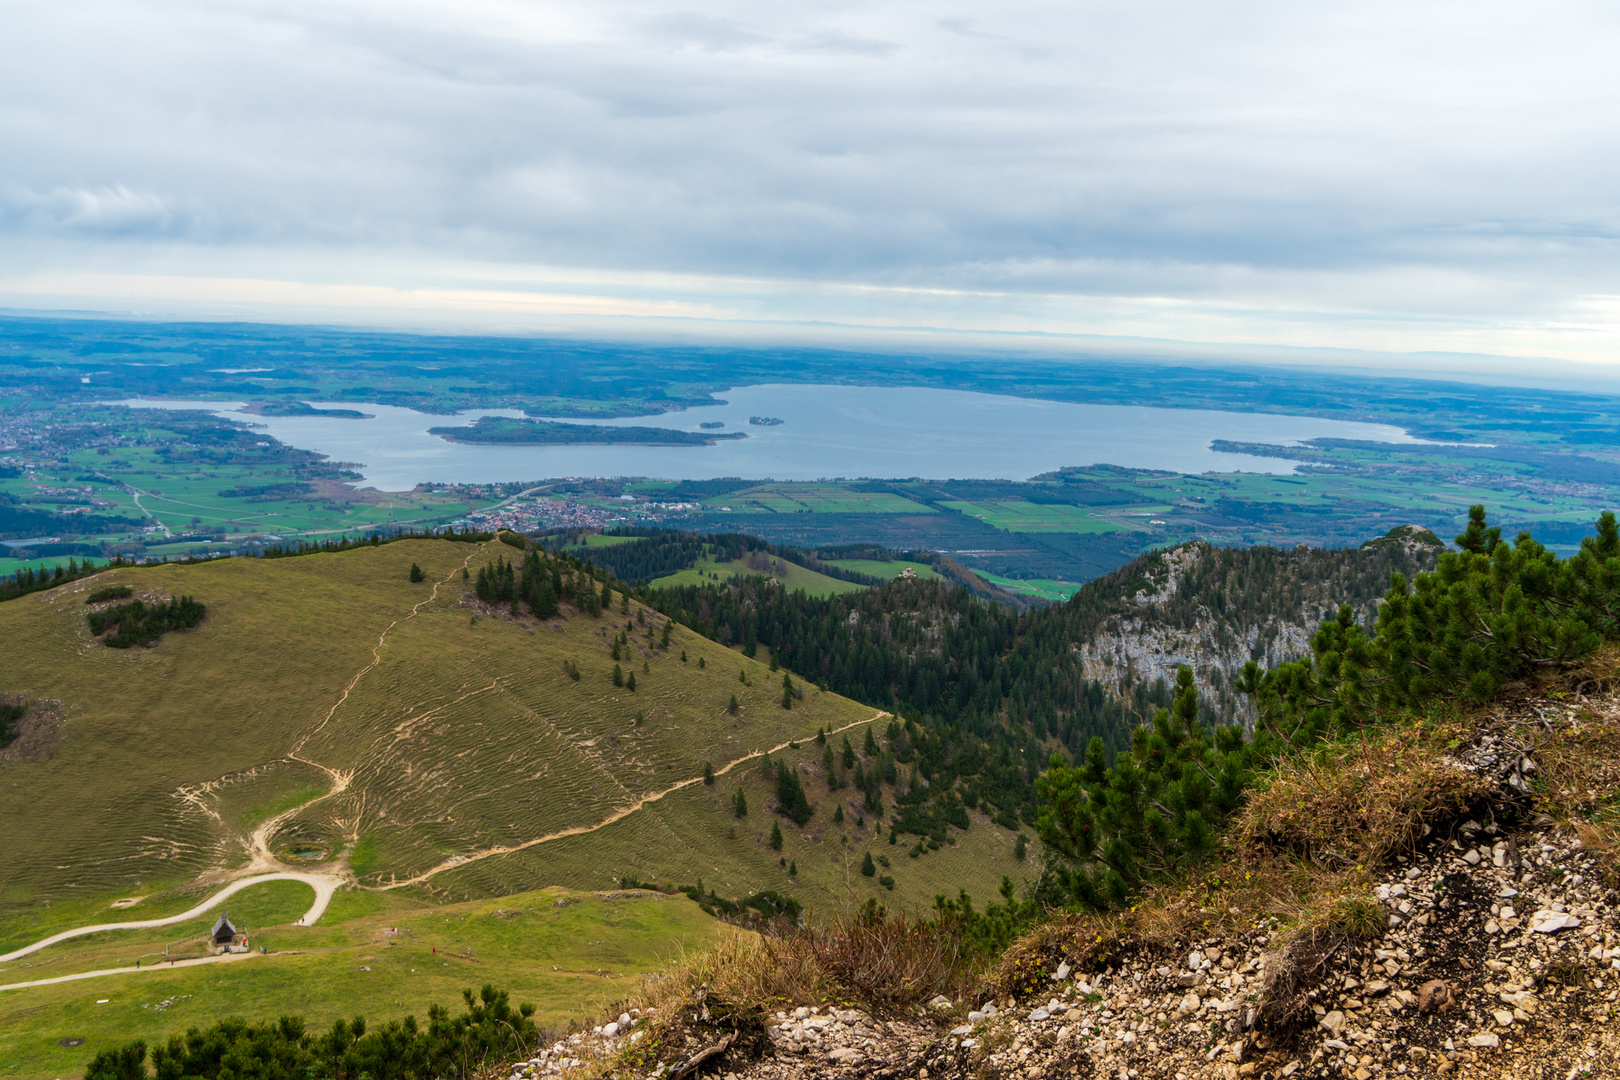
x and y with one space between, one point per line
1375 175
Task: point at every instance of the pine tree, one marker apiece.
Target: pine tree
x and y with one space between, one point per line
868 867
849 754
739 805
791 801
828 769
708 774
1154 812
787 691
870 747
776 835
416 573
618 675
733 707
793 868
630 682
838 814
1020 848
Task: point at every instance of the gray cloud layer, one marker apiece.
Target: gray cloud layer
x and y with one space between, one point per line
1448 160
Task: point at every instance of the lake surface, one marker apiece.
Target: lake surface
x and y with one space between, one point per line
827 432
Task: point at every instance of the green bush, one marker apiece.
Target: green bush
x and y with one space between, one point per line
453 1048
140 623
111 592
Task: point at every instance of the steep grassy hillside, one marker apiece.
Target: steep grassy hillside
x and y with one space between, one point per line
329 712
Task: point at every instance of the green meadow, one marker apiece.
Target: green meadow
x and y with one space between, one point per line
791 575
383 956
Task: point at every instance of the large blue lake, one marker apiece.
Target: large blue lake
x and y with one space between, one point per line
826 432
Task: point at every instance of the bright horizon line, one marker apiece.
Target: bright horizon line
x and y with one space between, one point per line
608 315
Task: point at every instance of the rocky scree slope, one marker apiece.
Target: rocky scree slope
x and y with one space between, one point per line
1215 609
1491 949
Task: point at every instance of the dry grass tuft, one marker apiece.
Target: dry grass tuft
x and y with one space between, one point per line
884 962
1358 804
881 962
1293 969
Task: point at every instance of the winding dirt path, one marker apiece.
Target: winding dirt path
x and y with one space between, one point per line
323 884
457 861
259 844
224 958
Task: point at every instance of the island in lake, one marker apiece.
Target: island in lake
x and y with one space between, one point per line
512 431
712 425
765 421
302 408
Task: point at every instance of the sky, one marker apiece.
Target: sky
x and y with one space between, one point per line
1390 178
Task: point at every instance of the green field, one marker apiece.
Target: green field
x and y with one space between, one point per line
1042 589
815 499
1017 515
790 574
567 952
884 569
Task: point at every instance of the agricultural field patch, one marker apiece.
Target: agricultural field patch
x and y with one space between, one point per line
1039 588
815 499
1017 515
886 569
790 574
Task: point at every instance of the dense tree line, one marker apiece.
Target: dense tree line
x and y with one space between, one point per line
18 519
29 580
460 1047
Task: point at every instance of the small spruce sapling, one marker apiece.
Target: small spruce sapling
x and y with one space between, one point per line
776 836
868 867
416 573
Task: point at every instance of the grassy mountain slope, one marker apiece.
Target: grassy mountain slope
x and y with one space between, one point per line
328 709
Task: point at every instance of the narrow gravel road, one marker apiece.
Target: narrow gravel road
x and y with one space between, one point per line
323 884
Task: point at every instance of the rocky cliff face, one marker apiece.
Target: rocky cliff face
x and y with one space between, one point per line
1216 609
